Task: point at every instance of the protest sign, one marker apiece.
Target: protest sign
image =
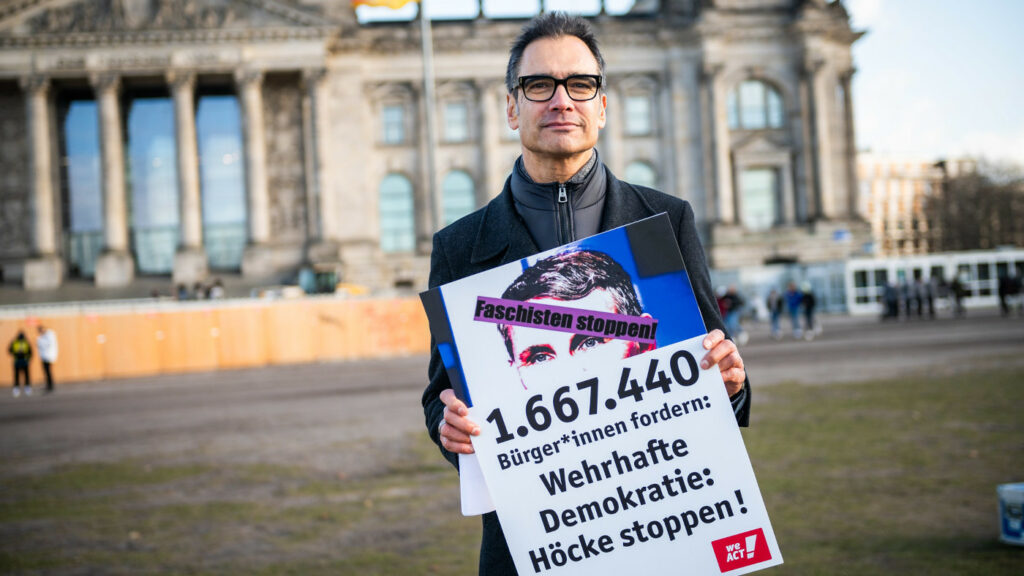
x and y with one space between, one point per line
603 446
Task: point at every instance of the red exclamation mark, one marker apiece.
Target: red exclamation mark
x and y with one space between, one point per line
751 541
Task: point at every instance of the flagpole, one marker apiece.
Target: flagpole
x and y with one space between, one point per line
428 96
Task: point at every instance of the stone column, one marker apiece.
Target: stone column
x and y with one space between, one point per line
115 266
851 145
45 269
426 185
819 96
257 260
492 119
683 133
190 259
611 142
808 206
323 199
725 201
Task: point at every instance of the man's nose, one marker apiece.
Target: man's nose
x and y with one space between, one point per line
560 99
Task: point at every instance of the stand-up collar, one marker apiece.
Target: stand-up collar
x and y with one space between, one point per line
538 203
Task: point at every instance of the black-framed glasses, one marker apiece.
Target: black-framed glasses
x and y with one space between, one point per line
579 87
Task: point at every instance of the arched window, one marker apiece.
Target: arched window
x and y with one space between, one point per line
641 174
397 225
457 198
755 105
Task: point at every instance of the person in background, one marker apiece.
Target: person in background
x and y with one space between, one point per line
808 302
216 290
733 312
774 303
891 296
21 350
46 344
958 291
793 300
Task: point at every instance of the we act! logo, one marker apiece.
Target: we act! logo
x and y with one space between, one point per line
741 550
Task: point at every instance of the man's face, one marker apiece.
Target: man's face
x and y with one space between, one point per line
547 356
560 127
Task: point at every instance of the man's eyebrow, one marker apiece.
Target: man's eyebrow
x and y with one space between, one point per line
560 77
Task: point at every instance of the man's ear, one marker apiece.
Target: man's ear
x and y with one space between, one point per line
512 111
601 119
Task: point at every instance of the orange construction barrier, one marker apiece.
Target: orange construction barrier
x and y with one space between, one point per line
127 340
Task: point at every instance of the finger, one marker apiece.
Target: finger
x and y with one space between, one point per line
733 360
451 402
457 447
713 338
734 377
453 434
715 355
464 425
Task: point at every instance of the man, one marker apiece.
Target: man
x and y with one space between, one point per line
559 191
21 350
46 344
583 279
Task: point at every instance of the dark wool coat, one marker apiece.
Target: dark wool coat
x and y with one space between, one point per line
496 235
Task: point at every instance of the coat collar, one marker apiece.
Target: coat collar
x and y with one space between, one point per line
503 234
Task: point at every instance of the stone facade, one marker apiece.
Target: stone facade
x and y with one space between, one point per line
741 107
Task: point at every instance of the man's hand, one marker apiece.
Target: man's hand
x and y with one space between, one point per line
724 353
455 428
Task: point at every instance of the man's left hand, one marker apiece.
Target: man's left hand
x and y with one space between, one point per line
724 353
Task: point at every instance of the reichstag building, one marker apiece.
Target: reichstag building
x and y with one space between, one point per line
189 138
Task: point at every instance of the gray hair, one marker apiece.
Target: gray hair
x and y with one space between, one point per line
550 25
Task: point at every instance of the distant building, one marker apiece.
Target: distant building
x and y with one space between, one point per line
894 191
176 137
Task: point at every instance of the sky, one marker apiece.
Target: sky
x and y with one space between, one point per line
940 78
935 78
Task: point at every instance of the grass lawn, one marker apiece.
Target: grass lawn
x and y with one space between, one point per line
888 477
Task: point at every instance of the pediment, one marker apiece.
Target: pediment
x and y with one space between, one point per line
759 143
114 18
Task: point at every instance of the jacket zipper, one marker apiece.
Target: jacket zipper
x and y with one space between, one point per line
564 215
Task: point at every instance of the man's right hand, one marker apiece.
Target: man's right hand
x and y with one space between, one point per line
455 428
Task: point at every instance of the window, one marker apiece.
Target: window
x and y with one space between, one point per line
638 115
641 174
754 105
758 206
85 190
153 180
397 227
457 197
393 124
222 180
456 122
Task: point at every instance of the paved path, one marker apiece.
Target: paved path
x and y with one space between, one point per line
333 416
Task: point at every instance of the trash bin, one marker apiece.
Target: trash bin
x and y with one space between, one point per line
1011 513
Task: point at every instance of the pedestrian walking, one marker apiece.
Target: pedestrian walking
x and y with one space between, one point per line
46 345
774 303
21 351
808 303
733 308
958 291
793 300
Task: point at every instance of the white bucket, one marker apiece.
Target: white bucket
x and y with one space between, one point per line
1011 513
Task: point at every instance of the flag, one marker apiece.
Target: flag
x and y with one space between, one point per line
393 4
